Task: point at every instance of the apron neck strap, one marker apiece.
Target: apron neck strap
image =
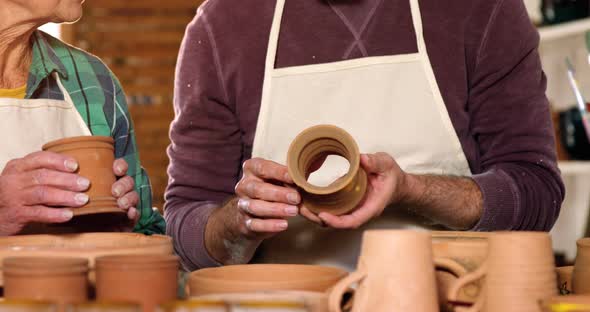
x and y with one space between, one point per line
63 90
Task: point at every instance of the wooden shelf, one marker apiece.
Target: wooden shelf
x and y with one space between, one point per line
554 32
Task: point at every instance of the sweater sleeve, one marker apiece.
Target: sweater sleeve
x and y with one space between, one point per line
206 145
510 119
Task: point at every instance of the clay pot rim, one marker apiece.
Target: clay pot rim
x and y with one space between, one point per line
583 242
202 274
309 135
86 138
519 234
191 303
24 302
43 263
137 262
105 304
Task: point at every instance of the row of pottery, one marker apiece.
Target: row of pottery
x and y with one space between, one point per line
147 280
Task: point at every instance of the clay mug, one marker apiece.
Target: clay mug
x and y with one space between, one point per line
572 303
395 272
59 280
95 306
26 306
519 271
145 279
581 274
564 279
95 156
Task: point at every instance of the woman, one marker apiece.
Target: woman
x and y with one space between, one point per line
446 97
50 90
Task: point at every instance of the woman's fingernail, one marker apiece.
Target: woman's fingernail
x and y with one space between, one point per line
81 198
120 170
292 211
123 202
83 183
132 213
71 165
249 224
287 177
283 225
67 214
293 198
117 191
244 205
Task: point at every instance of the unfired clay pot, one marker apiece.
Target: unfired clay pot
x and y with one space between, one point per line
263 277
95 306
395 273
146 279
572 303
95 156
60 280
456 254
312 301
581 274
311 146
7 305
564 279
519 271
88 245
196 305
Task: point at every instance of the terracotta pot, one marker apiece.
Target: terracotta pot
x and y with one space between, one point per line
263 277
456 254
566 304
60 280
581 274
194 306
519 272
395 273
309 147
564 279
146 279
104 307
313 301
95 156
89 246
26 306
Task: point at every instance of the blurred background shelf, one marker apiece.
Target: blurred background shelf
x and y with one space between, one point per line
554 32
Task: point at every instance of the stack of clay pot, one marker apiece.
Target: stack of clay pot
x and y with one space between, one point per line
581 271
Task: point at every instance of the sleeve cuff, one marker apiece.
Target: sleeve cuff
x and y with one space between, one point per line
500 201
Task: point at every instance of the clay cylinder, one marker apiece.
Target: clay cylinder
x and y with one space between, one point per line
95 156
149 280
581 274
311 146
59 280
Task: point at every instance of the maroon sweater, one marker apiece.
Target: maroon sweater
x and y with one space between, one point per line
485 58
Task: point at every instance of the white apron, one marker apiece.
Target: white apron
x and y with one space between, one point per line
388 104
28 124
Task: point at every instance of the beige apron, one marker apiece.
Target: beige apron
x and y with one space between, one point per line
28 124
389 104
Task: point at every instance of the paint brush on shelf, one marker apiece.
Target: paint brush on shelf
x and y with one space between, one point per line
571 73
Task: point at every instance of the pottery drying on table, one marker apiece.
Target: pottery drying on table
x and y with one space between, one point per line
519 272
288 301
149 280
456 254
95 306
89 246
95 156
311 147
564 279
395 273
574 303
581 274
263 277
26 306
195 305
60 280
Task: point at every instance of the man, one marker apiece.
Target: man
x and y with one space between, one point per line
446 98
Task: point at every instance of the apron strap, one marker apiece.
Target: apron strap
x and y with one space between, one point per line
418 27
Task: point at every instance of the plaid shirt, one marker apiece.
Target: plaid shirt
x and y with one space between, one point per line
100 100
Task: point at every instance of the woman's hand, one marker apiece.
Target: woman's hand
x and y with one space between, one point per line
32 185
386 185
124 190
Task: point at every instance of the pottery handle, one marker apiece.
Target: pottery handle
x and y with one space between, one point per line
450 265
467 279
342 287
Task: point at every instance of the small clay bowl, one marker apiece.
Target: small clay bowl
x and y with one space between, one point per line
311 146
149 280
95 156
60 280
262 278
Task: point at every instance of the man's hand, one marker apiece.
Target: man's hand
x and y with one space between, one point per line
32 185
124 190
386 185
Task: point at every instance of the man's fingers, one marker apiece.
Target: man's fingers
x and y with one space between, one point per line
39 160
264 209
266 226
377 163
123 186
62 180
267 170
253 188
120 167
51 196
132 214
128 200
351 221
42 214
310 215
